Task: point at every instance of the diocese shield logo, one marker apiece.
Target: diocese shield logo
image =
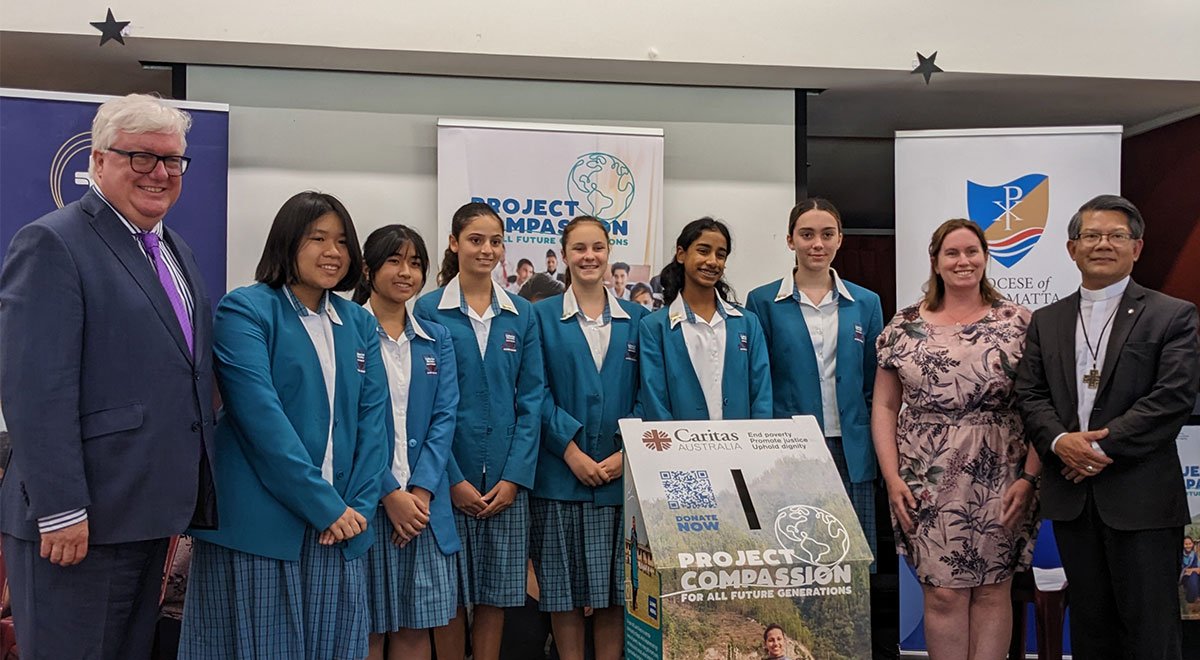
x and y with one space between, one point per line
1012 215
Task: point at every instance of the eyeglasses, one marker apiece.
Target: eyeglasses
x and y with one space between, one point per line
144 162
1116 239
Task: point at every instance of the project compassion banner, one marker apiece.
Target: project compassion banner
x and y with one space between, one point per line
539 176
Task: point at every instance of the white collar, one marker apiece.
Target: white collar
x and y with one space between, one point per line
411 327
678 311
787 286
452 297
325 305
1108 292
612 308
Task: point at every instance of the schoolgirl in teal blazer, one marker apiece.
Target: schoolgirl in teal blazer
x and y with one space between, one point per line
670 379
583 404
299 455
795 381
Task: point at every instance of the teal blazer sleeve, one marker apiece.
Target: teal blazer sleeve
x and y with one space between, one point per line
431 466
268 440
761 402
654 392
371 455
531 391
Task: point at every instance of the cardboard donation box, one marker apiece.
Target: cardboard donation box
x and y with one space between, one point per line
735 526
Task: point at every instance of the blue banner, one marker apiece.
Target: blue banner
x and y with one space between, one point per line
45 144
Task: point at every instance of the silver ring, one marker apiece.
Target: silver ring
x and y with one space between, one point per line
1090 469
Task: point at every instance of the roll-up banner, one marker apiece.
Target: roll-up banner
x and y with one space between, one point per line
539 176
45 144
1021 186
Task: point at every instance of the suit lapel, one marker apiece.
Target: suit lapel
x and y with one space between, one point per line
735 357
1065 326
617 345
124 245
1125 317
576 337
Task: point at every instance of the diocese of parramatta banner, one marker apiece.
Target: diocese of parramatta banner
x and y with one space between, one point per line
1021 186
45 144
539 176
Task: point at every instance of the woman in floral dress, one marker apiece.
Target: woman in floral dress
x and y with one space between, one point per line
961 481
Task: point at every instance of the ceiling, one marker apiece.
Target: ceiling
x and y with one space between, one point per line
854 103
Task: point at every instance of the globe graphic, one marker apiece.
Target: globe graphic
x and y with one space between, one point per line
601 185
814 534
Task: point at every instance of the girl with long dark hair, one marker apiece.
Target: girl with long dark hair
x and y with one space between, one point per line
703 356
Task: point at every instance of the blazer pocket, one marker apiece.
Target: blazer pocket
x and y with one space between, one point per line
112 420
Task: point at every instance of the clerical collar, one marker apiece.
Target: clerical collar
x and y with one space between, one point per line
1107 293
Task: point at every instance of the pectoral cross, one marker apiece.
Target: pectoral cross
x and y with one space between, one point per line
1092 379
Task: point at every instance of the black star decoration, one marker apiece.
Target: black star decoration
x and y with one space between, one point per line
110 29
926 67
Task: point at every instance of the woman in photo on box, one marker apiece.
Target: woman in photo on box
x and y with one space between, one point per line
820 332
960 476
300 453
501 385
703 356
412 583
590 349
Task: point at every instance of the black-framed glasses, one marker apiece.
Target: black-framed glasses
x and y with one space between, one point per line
1115 239
144 162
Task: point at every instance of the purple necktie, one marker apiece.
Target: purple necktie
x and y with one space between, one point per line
150 241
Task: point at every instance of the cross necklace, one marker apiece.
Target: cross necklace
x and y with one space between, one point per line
1092 377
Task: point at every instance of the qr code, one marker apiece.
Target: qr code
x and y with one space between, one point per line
688 489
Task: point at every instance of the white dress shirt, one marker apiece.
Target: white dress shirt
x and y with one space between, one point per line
454 298
319 325
597 332
705 341
1096 308
397 362
822 321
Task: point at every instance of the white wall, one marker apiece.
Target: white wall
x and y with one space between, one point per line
371 140
1154 39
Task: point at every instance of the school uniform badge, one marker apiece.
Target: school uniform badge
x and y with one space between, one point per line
743 342
360 361
631 351
431 365
510 342
858 334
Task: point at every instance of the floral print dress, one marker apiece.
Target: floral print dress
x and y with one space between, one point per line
961 443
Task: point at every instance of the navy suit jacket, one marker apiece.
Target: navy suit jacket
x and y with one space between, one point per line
105 407
1147 389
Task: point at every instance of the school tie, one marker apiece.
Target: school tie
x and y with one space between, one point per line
150 241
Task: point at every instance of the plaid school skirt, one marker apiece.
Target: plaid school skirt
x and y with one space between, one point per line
491 564
411 587
862 494
244 606
577 555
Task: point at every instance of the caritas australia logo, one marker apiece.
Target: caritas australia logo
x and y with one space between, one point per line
1012 215
656 440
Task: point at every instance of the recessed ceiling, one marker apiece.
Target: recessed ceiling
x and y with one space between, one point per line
854 103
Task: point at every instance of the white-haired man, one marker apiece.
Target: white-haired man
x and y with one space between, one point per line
106 378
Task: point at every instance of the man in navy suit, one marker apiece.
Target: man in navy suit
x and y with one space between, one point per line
106 378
